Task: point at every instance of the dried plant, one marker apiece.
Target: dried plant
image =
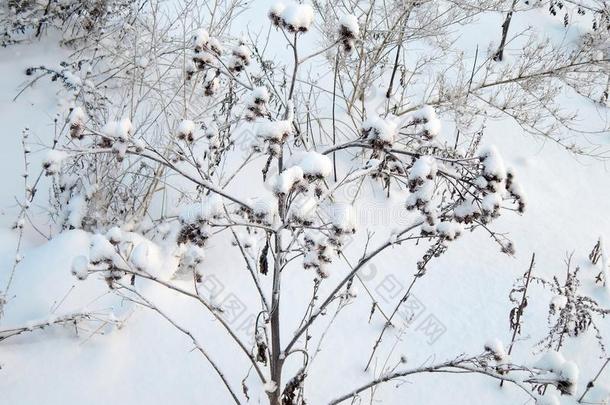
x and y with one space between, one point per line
23 20
169 111
571 313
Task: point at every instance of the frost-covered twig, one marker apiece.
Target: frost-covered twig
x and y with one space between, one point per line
571 312
467 365
517 312
346 279
591 383
388 323
73 319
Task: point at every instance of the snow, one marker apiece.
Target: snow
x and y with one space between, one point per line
193 256
80 267
432 125
274 131
349 25
466 209
76 210
379 129
208 208
185 130
115 235
493 165
248 241
140 257
297 17
449 230
421 185
211 206
215 46
200 38
120 130
242 54
467 275
314 164
77 120
101 249
72 78
425 114
211 134
421 196
270 386
424 168
53 160
264 208
287 181
318 256
120 148
566 372
480 182
559 302
569 371
427 118
277 8
343 217
491 202
432 128
260 95
77 116
599 394
304 209
496 347
143 62
551 360
547 399
124 129
241 57
256 103
213 84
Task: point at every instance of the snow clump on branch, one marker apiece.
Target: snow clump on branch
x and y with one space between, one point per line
380 132
289 180
80 267
240 58
77 120
294 17
315 166
273 134
256 103
426 119
349 31
564 372
186 131
118 133
52 161
496 348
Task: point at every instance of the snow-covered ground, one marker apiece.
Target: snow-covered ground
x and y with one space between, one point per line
135 356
